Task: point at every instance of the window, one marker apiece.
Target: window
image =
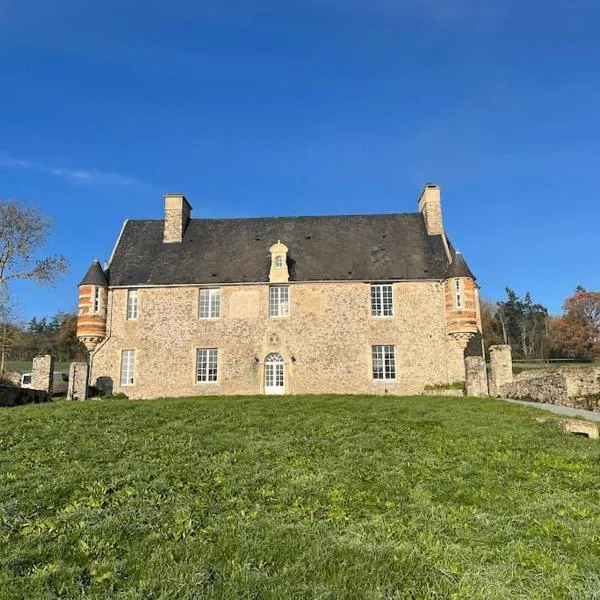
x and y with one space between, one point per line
457 294
132 305
210 303
127 367
382 300
279 301
206 365
96 300
278 262
384 362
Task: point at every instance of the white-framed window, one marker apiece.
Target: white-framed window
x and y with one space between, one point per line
207 364
97 299
210 303
382 300
458 294
279 262
279 301
127 367
132 305
384 362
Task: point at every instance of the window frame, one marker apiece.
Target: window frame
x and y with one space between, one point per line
128 367
96 300
210 361
383 362
213 300
278 302
380 301
458 295
132 305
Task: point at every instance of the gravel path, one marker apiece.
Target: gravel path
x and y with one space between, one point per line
590 415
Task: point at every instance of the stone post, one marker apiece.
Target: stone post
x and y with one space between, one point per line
476 377
42 374
500 368
78 381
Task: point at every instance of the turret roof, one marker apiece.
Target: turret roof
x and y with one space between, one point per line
458 267
95 275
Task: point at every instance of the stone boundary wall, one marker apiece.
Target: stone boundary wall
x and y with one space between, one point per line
577 388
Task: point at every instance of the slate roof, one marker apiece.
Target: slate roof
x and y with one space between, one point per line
95 275
363 248
459 268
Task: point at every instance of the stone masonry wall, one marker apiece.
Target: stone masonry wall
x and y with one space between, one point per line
42 373
476 377
579 388
325 342
78 381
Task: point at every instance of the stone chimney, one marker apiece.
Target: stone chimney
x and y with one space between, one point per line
431 208
177 216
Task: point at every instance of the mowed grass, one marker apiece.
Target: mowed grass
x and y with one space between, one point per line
296 497
27 366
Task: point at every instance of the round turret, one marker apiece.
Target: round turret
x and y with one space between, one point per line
460 293
93 296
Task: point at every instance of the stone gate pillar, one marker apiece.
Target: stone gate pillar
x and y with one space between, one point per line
500 368
476 377
78 381
42 374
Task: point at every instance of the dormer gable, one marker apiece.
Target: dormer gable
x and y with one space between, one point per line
279 272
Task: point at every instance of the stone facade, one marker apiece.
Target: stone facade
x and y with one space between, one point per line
42 374
325 342
78 381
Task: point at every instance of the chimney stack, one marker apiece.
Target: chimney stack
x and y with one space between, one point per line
177 216
431 208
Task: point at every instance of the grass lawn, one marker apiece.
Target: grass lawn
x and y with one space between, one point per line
298 497
26 366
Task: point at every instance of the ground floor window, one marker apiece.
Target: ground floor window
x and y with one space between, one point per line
207 365
128 367
384 362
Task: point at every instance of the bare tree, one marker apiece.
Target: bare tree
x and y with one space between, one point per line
23 232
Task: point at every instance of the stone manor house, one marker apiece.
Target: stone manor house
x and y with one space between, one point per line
371 304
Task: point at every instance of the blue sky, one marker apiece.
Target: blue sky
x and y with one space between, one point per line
310 107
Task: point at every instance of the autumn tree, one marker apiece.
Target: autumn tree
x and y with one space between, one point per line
576 334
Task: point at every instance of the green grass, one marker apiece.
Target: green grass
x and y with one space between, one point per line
520 366
26 366
296 497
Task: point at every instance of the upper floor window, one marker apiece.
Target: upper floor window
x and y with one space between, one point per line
210 303
97 300
279 305
278 262
207 362
127 367
132 305
384 362
458 301
382 300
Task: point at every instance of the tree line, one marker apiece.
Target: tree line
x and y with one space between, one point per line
56 335
533 334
